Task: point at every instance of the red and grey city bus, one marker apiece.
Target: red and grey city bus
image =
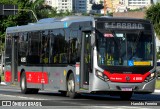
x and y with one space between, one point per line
82 54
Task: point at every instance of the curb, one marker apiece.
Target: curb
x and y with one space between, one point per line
157 90
3 83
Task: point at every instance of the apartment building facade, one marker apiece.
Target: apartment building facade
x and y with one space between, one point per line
82 6
85 6
61 5
134 4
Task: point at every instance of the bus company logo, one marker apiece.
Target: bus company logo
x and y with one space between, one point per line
6 103
127 78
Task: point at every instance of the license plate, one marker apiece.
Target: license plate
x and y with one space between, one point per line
126 89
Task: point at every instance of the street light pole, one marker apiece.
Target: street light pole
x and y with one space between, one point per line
22 10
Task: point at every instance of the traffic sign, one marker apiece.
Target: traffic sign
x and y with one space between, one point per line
8 9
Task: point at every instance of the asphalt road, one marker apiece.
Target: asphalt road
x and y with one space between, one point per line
54 100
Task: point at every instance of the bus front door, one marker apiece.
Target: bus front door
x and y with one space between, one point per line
85 63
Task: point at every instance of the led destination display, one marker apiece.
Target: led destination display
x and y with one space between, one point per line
122 25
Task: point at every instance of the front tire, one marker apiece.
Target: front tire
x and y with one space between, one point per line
23 84
71 86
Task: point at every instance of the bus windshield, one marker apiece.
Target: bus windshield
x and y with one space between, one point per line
124 48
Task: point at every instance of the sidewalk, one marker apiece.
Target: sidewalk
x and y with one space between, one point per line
157 90
3 83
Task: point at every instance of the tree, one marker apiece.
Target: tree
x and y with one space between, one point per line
153 14
21 18
101 2
97 6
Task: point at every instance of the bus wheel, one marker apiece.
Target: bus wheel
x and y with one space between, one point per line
23 84
126 95
71 86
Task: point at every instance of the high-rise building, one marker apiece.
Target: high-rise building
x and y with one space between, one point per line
61 5
133 4
83 6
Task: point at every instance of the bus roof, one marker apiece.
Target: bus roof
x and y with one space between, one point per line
52 23
49 23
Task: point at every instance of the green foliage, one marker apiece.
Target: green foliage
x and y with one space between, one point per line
25 17
2 77
8 1
101 2
158 84
158 55
153 14
97 6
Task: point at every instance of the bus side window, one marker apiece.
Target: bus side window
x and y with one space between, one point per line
74 47
34 48
58 47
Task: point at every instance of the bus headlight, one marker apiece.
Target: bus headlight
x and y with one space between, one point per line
150 77
100 75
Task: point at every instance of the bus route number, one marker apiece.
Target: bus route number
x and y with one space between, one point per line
124 25
137 78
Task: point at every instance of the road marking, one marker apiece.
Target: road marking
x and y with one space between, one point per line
157 91
22 97
120 107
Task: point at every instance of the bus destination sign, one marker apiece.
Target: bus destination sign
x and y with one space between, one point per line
123 25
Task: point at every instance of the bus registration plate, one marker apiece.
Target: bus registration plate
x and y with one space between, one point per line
126 89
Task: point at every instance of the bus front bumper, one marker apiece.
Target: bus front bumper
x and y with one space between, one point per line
144 87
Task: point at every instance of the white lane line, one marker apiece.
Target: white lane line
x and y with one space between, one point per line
157 91
120 107
28 98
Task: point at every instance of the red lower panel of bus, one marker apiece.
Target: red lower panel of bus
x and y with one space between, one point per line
7 76
36 77
32 77
116 77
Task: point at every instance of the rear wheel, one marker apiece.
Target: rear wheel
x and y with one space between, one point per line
71 86
23 84
126 95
